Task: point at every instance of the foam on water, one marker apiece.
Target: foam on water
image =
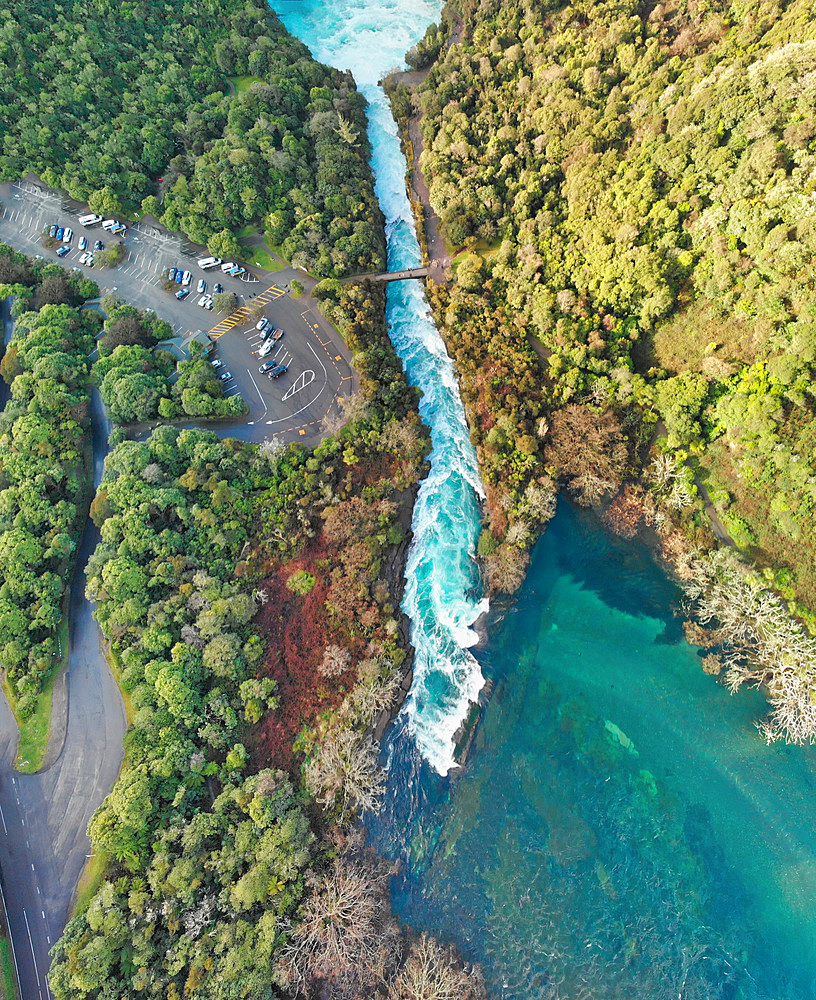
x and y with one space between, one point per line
443 593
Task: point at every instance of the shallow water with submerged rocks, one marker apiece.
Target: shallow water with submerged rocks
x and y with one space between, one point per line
620 830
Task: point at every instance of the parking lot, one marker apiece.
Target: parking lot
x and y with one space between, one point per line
318 365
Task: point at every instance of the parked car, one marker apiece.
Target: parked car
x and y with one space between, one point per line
83 257
207 262
273 335
63 251
59 233
52 232
202 286
237 270
227 266
182 293
179 276
203 300
90 220
208 301
118 229
67 236
186 278
277 371
108 224
266 366
90 261
266 348
217 363
99 245
225 376
83 243
262 323
218 288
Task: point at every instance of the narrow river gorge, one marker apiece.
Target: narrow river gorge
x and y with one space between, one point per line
620 830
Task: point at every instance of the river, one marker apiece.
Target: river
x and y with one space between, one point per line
620 830
443 595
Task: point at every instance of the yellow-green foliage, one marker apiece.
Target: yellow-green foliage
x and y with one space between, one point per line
647 175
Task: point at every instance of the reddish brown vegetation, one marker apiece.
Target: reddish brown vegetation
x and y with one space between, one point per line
625 515
297 633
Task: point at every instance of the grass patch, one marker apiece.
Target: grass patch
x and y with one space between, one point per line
8 980
242 83
116 670
700 338
244 231
93 874
34 733
261 258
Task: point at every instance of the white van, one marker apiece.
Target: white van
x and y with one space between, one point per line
89 220
207 262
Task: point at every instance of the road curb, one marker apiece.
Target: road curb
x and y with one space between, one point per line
59 721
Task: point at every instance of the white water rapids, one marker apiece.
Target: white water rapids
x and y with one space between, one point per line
443 593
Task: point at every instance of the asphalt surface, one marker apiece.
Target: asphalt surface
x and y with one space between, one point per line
293 407
44 816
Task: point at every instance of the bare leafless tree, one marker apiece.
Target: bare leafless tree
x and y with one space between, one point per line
344 773
345 935
336 661
759 643
432 972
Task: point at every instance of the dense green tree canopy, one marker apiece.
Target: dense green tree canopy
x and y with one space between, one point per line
103 100
43 477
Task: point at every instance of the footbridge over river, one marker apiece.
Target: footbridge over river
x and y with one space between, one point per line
413 272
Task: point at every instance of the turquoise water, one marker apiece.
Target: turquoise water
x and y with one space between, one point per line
620 832
620 829
443 594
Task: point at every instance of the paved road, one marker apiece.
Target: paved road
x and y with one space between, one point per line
43 817
293 407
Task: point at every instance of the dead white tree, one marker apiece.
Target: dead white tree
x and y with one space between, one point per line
336 661
432 972
759 643
344 773
345 933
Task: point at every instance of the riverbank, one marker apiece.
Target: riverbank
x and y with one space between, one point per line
602 743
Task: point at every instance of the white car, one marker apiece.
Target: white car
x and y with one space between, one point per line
84 257
208 304
218 363
202 285
228 266
68 235
203 300
83 243
186 278
262 323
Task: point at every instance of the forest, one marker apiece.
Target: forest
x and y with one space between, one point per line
44 469
250 597
208 115
631 194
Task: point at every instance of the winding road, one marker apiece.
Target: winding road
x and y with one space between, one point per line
44 816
